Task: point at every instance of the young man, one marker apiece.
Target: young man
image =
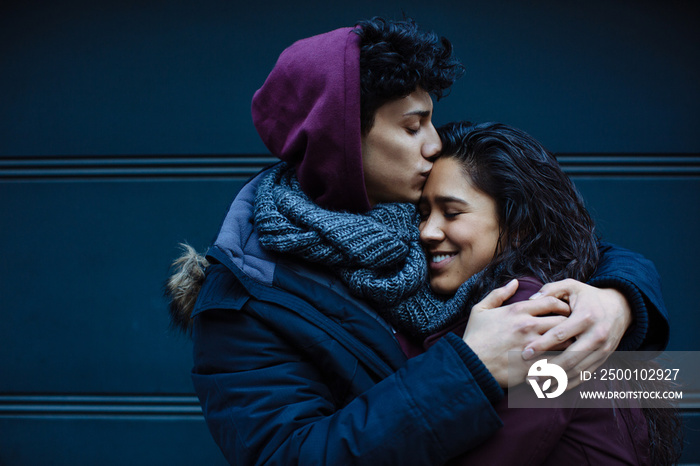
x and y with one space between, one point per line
295 358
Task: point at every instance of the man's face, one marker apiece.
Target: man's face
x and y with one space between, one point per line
397 152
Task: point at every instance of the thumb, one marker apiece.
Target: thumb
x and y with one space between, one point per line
498 296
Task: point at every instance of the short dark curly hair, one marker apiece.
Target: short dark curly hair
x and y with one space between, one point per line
396 57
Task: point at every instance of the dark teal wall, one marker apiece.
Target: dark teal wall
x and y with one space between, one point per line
125 129
176 77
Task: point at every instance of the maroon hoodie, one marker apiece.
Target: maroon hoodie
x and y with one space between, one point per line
308 114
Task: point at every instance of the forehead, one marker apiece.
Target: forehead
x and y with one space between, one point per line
449 182
447 175
417 103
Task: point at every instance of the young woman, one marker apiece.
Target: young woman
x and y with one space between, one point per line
498 207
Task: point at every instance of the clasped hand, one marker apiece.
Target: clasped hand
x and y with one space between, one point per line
584 321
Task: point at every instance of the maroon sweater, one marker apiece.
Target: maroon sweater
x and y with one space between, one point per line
553 436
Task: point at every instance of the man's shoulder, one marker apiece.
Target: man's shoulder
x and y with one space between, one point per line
220 290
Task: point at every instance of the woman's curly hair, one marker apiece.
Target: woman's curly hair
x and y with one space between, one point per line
546 230
396 58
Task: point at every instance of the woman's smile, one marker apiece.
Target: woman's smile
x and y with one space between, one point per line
439 260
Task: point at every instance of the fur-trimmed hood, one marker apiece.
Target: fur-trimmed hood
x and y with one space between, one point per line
239 247
182 288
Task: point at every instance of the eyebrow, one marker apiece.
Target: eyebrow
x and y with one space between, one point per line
444 200
420 113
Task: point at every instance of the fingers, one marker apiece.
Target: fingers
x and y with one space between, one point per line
543 307
498 296
542 325
574 361
564 345
556 336
590 362
561 289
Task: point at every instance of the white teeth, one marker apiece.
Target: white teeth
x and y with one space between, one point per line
441 257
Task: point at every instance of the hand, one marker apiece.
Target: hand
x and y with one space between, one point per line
494 329
599 319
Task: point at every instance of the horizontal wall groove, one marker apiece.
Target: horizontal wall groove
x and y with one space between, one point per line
646 165
70 168
99 406
237 167
149 407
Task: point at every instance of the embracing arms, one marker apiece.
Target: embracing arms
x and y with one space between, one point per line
620 308
269 400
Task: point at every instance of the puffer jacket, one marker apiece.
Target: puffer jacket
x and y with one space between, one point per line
292 369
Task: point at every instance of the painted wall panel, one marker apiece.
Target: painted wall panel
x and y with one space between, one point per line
657 217
109 442
125 129
177 77
83 264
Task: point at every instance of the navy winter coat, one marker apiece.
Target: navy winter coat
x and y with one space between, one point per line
291 369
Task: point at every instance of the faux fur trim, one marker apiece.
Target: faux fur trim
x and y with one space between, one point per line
184 284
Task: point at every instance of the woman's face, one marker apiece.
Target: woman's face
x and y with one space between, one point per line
459 226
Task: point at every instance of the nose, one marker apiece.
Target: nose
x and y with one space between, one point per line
430 230
432 145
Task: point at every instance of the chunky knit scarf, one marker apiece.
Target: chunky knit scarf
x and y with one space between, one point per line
377 254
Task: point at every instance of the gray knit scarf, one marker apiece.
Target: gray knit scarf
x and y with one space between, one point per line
377 255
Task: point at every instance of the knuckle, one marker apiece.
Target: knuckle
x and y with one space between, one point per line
560 335
556 305
594 312
587 319
525 326
517 308
600 336
555 302
566 364
574 285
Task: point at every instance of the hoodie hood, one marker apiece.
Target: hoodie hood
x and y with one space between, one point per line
238 244
308 114
184 284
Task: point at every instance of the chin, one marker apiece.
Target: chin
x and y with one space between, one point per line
442 288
